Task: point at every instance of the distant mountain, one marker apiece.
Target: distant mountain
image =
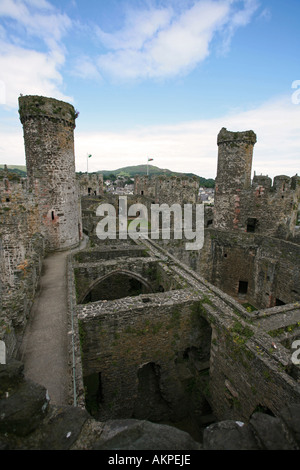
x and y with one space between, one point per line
17 169
131 171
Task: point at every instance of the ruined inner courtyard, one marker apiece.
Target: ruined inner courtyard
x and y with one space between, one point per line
179 350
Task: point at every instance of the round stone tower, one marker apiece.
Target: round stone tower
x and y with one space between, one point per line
235 153
48 126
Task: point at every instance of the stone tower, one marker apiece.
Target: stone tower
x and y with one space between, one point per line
235 153
48 126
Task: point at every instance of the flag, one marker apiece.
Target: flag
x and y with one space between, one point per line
89 156
150 159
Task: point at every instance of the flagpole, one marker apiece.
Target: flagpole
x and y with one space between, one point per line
87 163
148 160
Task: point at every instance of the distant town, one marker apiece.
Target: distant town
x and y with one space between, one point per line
121 181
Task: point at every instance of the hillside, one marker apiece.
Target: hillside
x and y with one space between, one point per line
20 170
128 171
131 171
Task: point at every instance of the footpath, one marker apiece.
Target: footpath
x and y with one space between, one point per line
44 349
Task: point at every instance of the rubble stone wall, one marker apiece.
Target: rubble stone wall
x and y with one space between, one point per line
21 254
48 126
260 207
167 189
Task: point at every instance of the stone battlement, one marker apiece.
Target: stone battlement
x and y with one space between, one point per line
36 107
225 136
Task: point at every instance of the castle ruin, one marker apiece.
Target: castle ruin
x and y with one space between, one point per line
161 333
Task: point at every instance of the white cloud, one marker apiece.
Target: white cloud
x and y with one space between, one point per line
29 72
238 18
23 68
85 68
11 144
186 147
160 43
37 17
139 27
192 146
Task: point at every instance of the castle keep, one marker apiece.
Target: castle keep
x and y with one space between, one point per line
160 333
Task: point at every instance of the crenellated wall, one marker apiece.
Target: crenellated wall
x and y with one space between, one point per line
90 184
167 189
257 206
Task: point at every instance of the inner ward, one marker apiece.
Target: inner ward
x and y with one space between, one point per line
151 326
145 349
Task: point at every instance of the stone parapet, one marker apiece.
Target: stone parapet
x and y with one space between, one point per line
229 136
36 107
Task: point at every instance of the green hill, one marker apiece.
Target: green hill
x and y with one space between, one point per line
128 171
18 169
131 171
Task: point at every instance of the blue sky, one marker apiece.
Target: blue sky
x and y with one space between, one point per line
157 78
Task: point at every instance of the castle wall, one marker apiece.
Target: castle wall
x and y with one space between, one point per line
127 335
21 254
244 377
198 342
267 209
167 189
259 207
91 184
270 266
145 186
92 268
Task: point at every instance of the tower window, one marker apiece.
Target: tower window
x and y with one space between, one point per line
243 287
251 225
52 215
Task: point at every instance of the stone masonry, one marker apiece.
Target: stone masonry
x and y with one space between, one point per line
252 207
48 126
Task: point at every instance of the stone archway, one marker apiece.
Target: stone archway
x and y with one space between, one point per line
114 285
